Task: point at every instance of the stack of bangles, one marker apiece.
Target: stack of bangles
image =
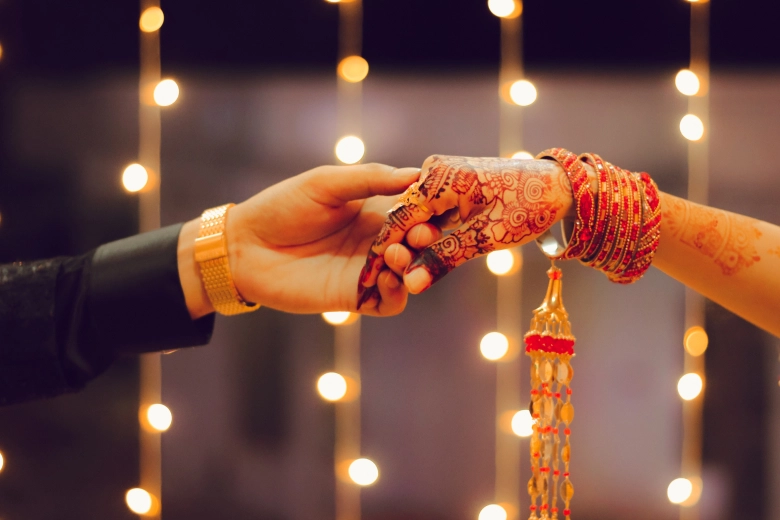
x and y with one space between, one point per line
616 230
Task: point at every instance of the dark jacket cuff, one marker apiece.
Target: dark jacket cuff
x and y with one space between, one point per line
136 303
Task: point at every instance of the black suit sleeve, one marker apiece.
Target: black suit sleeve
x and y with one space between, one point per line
63 321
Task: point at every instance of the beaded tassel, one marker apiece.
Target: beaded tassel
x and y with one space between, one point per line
550 345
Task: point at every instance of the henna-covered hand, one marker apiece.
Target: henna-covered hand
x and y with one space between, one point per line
492 203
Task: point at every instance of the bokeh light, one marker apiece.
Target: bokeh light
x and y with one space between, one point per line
2 462
691 127
696 341
523 155
134 178
338 318
493 512
501 262
151 19
139 501
690 385
332 386
687 82
494 346
679 490
523 423
353 69
350 149
522 92
505 8
363 472
166 93
159 417
1 51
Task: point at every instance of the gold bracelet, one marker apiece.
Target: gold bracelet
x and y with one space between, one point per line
211 254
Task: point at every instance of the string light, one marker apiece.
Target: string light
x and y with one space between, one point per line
140 501
166 93
522 92
527 156
696 341
523 423
501 262
1 51
363 472
690 385
159 417
679 490
505 8
687 82
151 20
2 461
353 69
493 512
494 346
350 149
339 318
135 178
691 127
332 386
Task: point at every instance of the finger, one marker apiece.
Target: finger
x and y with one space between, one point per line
397 258
393 232
468 241
336 185
423 235
392 294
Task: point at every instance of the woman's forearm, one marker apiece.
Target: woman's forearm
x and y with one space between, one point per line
729 258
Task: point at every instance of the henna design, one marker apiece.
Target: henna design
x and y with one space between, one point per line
727 238
511 201
775 252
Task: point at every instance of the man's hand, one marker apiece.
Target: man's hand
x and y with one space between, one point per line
298 246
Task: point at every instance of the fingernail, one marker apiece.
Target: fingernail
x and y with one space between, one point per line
364 294
418 280
392 281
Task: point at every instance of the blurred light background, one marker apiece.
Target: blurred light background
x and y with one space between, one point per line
251 438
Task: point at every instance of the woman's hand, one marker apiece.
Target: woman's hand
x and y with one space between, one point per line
298 246
492 204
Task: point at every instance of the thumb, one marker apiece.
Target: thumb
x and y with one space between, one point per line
337 185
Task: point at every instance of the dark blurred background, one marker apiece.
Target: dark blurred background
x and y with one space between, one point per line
250 437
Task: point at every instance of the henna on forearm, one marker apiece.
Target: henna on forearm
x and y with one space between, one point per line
729 239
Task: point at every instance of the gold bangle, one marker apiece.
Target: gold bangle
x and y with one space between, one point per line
211 254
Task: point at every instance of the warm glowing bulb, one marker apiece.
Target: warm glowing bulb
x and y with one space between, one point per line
691 127
139 501
523 423
687 82
522 92
159 417
494 346
690 385
353 69
527 156
500 262
336 318
135 178
679 490
2 462
332 386
166 93
1 52
350 149
151 19
505 8
363 472
696 341
493 512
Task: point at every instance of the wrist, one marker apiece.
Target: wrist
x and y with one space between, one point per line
195 296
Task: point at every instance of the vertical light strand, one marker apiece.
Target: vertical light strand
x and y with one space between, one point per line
149 142
695 128
351 470
515 92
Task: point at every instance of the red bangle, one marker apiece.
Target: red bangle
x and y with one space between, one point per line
584 202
